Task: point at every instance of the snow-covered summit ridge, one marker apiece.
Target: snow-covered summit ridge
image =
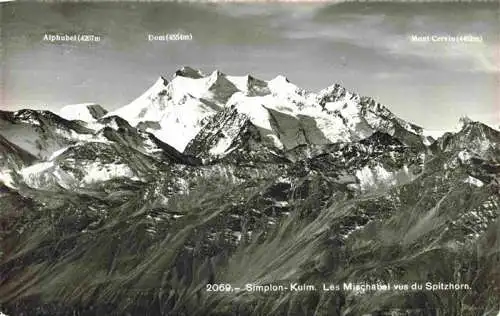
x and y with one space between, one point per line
176 110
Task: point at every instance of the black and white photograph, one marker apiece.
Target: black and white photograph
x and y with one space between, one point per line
250 158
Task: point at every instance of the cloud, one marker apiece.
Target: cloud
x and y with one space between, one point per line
386 28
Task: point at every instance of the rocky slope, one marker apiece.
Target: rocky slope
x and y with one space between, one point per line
219 179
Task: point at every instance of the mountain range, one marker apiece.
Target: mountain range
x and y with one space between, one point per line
237 181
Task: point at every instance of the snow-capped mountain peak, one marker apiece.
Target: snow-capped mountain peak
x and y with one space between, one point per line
476 137
87 112
220 87
176 110
148 106
189 72
158 88
280 78
335 93
250 85
281 85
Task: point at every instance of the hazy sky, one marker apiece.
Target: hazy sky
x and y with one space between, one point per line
365 47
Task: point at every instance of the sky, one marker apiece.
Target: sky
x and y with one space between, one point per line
366 47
